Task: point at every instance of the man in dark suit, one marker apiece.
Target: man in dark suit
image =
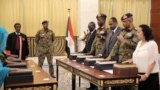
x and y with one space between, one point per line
111 38
89 37
17 43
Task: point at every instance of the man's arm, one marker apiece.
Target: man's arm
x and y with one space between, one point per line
27 47
37 37
9 44
131 43
53 36
115 50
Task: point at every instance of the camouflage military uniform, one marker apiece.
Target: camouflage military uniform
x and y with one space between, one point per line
98 41
44 41
125 50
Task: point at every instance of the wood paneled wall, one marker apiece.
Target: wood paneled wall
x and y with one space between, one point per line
155 20
59 46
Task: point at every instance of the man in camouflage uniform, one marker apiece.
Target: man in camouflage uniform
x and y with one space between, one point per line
100 35
98 41
44 40
127 40
126 44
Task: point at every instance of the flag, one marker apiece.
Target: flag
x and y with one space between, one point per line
70 36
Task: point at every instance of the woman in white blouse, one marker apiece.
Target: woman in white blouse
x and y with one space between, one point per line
146 58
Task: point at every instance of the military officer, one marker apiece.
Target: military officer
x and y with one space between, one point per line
127 40
44 40
100 35
98 41
126 44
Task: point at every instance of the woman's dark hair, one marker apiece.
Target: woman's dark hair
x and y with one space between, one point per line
147 32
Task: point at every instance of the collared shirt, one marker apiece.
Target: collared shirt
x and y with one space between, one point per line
115 29
89 34
17 33
144 56
93 31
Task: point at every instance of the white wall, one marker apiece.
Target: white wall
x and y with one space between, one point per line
87 11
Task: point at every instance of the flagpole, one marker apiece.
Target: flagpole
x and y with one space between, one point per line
69 11
70 33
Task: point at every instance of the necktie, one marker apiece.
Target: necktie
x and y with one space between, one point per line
17 42
88 37
109 43
111 36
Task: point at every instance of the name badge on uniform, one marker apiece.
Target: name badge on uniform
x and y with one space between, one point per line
128 35
42 35
101 32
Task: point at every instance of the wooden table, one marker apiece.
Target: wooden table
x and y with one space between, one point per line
99 78
42 80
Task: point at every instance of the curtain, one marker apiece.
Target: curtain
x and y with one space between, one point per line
140 9
31 13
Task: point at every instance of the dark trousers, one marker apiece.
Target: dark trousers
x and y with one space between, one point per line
152 83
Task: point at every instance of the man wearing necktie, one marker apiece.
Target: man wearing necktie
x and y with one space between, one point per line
89 37
17 43
111 38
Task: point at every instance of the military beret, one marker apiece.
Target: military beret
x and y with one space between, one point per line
101 16
45 21
127 15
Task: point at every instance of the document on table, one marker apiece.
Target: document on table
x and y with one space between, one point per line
109 71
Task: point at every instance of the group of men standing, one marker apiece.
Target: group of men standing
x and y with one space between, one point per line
113 43
17 44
